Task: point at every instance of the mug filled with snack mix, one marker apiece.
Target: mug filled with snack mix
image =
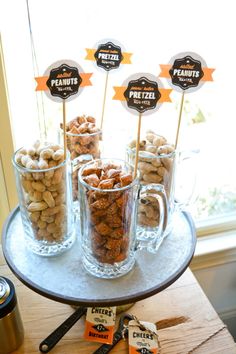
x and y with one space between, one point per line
45 198
83 140
109 196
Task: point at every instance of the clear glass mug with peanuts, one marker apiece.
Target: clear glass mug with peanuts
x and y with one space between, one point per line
158 162
45 198
109 197
187 179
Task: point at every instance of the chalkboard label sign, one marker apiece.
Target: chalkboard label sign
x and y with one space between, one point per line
142 94
64 81
186 72
108 56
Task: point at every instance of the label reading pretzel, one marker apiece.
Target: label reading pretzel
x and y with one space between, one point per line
142 94
108 56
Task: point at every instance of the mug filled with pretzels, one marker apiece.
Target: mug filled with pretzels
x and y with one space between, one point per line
109 193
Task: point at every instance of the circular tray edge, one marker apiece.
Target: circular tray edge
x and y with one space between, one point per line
98 302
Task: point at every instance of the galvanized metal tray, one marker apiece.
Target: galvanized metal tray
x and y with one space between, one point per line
63 278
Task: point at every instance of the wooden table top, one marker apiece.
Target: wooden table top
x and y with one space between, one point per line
193 320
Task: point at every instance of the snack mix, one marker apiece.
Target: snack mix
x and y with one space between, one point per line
109 217
82 139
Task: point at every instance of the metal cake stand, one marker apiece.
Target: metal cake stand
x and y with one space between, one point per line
62 278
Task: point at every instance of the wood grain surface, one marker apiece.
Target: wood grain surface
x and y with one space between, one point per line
184 313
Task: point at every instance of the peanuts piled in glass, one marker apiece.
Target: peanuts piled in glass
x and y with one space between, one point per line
45 197
106 209
156 164
83 139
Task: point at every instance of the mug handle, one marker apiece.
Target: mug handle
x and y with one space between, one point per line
75 164
187 162
156 191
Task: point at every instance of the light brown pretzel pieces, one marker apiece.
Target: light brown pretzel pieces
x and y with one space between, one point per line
109 217
82 138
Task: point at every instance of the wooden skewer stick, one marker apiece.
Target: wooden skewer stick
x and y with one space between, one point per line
179 120
137 145
64 125
104 100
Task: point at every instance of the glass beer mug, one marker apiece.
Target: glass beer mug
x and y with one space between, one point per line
159 162
109 197
83 140
44 191
155 169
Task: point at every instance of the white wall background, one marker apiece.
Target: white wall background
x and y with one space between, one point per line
219 285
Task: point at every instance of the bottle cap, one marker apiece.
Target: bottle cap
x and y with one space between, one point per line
4 290
7 296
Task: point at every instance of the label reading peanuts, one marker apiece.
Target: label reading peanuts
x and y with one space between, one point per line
63 80
186 72
100 324
142 341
